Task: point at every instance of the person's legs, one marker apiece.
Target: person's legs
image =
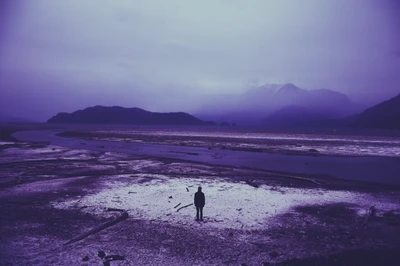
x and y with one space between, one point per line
197 212
201 213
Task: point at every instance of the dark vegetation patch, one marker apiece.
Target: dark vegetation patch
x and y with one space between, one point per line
331 213
357 257
18 218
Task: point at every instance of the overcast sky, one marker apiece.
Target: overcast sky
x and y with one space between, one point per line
58 55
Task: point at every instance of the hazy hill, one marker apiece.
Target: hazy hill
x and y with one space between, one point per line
297 116
382 115
275 97
120 115
258 104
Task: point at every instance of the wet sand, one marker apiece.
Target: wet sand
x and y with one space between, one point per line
52 193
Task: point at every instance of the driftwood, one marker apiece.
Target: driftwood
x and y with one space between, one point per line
98 229
177 205
184 207
114 210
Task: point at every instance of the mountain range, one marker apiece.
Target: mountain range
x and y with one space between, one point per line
268 106
273 102
121 115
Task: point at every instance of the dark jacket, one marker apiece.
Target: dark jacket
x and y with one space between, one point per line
199 199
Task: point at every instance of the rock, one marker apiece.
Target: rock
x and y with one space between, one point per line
86 258
313 150
101 254
187 189
170 197
273 254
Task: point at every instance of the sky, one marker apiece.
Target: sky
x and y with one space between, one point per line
60 56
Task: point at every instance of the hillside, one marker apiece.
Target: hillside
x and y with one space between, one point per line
298 117
382 115
121 115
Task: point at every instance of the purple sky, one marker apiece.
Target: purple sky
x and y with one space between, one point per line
163 55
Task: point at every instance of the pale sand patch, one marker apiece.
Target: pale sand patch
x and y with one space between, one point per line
228 204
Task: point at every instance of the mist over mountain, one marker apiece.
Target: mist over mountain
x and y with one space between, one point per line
383 115
255 106
301 117
11 119
121 115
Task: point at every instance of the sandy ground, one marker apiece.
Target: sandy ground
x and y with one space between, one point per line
51 194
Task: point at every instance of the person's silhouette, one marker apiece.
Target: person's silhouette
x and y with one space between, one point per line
199 202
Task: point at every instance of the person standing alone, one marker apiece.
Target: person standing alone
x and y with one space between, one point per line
199 202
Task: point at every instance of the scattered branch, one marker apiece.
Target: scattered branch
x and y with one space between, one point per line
114 210
184 207
98 229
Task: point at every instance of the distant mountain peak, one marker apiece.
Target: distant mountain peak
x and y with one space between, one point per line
288 88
